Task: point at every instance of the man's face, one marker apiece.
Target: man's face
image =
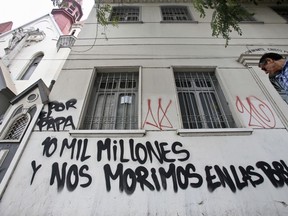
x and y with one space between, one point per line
270 67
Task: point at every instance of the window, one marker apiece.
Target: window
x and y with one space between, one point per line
71 8
282 11
125 14
70 11
175 13
11 136
32 66
249 17
202 103
17 128
19 122
113 102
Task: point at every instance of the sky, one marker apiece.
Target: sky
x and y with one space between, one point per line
21 12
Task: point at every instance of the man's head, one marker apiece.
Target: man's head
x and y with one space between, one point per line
271 63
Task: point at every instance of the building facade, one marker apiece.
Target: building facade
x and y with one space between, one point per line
156 117
31 59
36 50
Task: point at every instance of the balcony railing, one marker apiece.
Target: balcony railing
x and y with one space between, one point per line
65 41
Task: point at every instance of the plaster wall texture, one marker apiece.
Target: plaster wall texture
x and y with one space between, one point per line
239 171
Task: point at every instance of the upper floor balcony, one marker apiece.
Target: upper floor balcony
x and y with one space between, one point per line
65 41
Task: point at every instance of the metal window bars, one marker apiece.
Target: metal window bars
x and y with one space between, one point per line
113 102
125 14
175 13
17 128
201 101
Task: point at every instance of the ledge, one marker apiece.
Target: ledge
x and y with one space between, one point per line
127 22
105 133
179 21
10 141
215 132
251 22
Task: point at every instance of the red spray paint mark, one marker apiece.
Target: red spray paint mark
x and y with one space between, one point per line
161 116
261 115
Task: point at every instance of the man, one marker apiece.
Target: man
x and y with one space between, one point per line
277 67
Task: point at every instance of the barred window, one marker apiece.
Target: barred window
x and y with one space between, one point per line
175 13
282 11
113 102
125 14
248 18
201 101
17 128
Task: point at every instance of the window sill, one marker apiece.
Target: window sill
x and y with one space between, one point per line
128 22
105 133
179 21
10 141
215 132
251 22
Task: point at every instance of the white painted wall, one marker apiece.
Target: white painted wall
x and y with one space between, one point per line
257 149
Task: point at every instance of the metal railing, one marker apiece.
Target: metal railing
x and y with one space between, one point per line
65 41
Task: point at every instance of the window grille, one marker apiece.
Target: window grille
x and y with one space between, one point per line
282 11
32 66
175 13
201 101
17 128
113 102
125 14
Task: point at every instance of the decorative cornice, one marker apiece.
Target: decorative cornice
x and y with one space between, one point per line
249 59
43 90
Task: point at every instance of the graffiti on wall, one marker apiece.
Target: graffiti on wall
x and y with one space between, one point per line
174 168
47 121
158 118
115 159
62 173
260 114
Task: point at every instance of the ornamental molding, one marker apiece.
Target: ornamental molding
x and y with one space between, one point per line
253 54
25 37
21 38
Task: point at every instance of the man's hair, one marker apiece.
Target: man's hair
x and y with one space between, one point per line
273 56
